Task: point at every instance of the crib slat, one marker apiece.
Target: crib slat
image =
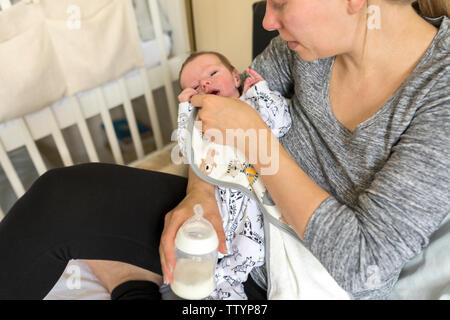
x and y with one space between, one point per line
173 107
11 172
58 137
5 4
132 123
2 215
109 128
151 110
31 147
84 131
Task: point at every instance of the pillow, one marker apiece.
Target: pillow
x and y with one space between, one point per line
427 276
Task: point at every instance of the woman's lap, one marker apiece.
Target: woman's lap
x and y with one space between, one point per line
89 211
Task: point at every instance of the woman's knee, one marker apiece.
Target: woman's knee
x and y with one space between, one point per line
55 180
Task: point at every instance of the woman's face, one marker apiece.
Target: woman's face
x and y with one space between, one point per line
207 74
313 28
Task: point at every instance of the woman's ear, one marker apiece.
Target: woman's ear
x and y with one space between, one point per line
237 79
354 6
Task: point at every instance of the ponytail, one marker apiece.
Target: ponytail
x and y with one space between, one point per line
434 8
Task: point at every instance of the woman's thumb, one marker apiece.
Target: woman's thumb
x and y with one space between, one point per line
221 237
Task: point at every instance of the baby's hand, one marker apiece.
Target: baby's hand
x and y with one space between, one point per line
186 94
253 79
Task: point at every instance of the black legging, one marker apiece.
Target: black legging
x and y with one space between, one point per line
88 211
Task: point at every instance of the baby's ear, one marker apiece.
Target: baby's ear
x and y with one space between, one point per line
237 78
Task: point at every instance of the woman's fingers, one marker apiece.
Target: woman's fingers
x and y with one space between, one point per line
218 226
164 246
172 223
197 100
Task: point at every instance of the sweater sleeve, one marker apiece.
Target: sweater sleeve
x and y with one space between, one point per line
364 247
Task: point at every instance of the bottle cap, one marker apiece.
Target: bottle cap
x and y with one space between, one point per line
197 235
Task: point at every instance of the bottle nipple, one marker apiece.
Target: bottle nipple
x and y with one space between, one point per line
197 234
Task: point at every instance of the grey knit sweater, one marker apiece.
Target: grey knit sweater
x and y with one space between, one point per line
389 179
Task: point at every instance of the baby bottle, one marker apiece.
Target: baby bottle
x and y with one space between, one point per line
196 246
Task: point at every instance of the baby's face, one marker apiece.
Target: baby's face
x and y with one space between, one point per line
207 74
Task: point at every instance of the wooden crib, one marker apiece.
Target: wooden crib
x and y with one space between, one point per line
76 111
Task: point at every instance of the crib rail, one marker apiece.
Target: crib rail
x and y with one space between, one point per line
78 109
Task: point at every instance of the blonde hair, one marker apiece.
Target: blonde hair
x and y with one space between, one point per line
434 8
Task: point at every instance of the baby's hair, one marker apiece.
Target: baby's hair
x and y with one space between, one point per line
194 55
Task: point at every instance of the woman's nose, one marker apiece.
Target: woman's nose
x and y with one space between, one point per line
270 21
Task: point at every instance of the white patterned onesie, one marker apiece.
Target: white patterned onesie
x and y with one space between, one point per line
242 219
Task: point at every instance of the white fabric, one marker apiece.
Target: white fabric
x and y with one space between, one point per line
424 278
104 46
60 47
294 273
30 74
151 53
78 283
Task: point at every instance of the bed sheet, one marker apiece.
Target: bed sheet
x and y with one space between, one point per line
78 283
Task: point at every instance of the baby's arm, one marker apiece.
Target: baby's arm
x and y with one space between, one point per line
254 78
271 106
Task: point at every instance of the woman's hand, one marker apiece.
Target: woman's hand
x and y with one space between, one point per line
198 192
221 114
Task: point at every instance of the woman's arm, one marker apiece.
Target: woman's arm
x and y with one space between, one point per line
295 193
364 246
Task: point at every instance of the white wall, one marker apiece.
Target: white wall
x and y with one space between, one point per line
225 26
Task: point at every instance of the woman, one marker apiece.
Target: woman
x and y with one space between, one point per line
363 172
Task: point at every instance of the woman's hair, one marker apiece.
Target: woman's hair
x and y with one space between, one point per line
434 8
431 8
194 55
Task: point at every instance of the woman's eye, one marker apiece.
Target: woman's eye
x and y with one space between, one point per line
277 6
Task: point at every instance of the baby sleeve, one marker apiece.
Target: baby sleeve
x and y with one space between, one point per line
271 106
